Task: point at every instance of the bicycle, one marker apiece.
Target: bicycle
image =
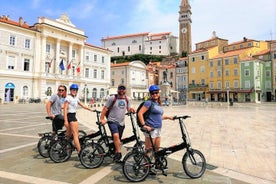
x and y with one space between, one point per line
137 165
93 154
47 140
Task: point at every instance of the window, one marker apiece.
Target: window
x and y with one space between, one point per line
101 93
112 82
193 59
219 62
227 73
226 61
219 73
202 58
94 93
247 84
122 81
267 73
211 85
202 81
211 64
211 74
87 58
236 72
236 84
118 49
86 72
202 69
11 62
48 48
26 65
140 47
102 74
246 73
134 41
95 58
227 85
74 54
249 44
113 44
73 70
25 91
12 40
102 59
219 85
27 43
95 74
150 48
235 60
128 48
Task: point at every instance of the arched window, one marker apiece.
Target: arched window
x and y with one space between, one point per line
25 91
101 93
49 91
94 93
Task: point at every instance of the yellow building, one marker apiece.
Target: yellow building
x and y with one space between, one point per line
224 70
199 66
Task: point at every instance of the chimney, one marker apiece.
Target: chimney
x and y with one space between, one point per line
21 22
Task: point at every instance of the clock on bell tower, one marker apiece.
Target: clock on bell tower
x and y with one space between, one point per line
185 36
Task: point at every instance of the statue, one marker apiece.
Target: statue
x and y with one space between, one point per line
165 75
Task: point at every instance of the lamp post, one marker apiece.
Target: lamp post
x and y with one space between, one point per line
85 93
228 95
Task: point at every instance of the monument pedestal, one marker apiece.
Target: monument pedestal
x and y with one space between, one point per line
165 92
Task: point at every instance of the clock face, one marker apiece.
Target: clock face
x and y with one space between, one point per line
184 30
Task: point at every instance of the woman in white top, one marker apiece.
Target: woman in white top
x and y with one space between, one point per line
70 109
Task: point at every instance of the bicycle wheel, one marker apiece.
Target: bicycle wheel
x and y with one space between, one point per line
60 151
136 166
92 155
194 163
43 145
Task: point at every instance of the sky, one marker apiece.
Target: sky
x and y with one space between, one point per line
230 19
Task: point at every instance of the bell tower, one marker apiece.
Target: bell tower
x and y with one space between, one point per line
185 33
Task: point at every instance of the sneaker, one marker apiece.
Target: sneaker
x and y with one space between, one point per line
117 157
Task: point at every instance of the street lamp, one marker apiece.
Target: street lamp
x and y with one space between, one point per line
85 94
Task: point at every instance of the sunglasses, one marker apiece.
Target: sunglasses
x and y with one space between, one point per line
121 88
154 93
61 90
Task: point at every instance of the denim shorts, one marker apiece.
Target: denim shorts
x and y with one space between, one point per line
155 133
114 127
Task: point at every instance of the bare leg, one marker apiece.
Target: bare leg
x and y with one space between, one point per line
75 131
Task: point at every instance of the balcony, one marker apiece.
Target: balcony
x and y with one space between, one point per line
198 86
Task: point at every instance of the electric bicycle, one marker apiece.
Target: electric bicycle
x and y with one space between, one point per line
138 164
93 154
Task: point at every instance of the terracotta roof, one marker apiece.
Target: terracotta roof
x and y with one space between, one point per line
125 36
119 64
15 23
160 34
263 52
231 53
241 41
90 45
211 39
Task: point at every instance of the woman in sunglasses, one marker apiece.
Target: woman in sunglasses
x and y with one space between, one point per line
54 108
154 119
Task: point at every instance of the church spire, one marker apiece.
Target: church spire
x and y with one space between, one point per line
185 32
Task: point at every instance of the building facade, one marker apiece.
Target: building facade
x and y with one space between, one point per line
164 44
36 59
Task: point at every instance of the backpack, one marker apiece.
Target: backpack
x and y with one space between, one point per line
113 102
145 115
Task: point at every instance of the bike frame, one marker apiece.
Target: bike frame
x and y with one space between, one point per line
174 148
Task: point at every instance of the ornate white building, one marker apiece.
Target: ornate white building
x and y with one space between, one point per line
36 59
163 44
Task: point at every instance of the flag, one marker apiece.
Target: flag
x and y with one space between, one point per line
69 65
50 63
61 65
78 68
8 95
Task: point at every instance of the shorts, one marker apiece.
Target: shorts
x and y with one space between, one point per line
116 128
58 122
71 117
155 133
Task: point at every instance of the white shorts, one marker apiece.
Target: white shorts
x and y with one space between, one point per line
155 133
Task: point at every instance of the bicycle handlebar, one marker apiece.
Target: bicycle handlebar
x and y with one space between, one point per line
181 117
129 113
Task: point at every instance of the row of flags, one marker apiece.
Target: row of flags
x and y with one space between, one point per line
62 66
